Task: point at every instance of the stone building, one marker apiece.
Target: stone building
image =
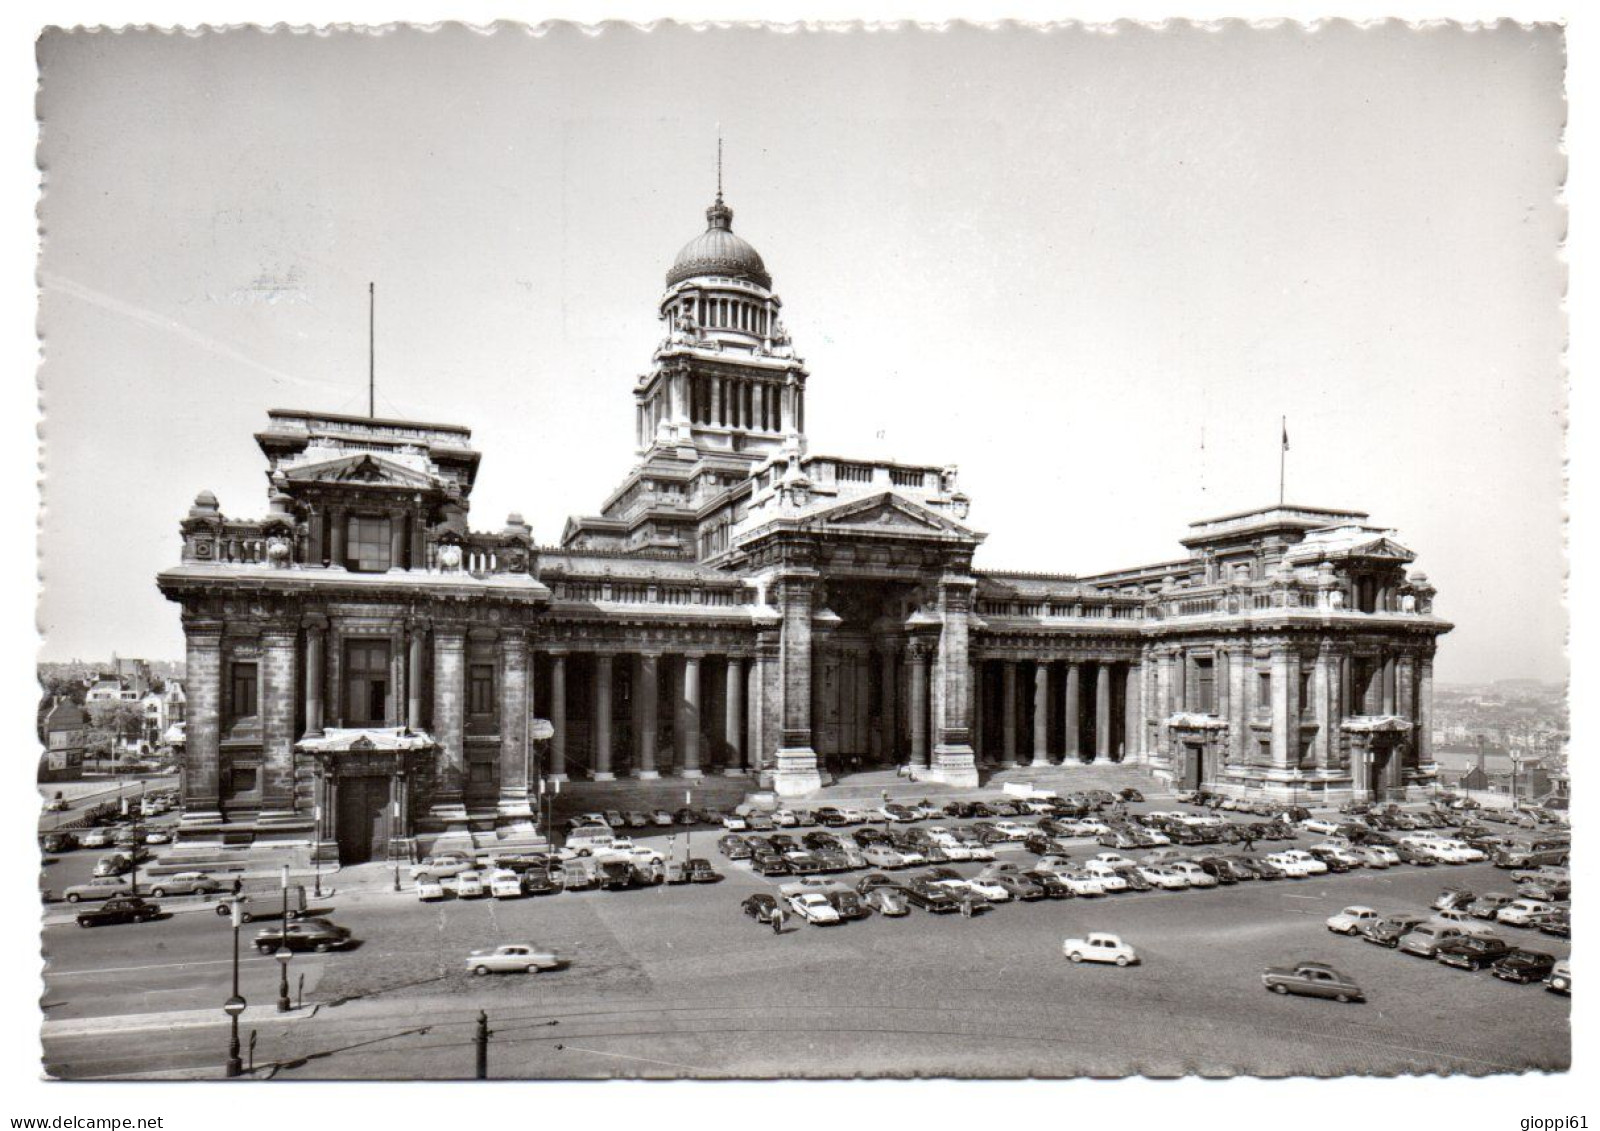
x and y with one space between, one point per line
366 672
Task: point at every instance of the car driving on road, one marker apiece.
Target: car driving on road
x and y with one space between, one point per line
121 909
1311 979
513 958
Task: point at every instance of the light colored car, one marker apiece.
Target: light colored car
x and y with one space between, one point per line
467 885
1344 853
814 907
1099 947
1110 881
1518 912
1459 852
156 836
184 883
1014 830
1115 859
1292 866
980 886
855 816
735 823
430 890
1323 825
785 818
442 866
505 884
1163 877
101 887
1426 938
1081 883
1351 920
880 855
1055 864
514 958
95 838
953 848
1559 979
1377 855
1314 866
1197 876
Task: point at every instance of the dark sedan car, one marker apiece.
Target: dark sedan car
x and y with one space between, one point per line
829 817
57 842
769 863
1265 869
1311 979
1130 874
1473 952
1131 794
1053 888
1409 855
759 907
819 839
865 837
874 880
734 847
123 909
962 809
848 904
1389 930
304 934
1524 966
1557 923
931 897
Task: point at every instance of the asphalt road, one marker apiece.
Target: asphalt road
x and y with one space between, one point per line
675 981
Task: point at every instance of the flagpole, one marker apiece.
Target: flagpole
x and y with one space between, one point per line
1283 450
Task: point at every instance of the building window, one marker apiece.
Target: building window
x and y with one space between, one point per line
366 682
242 779
242 691
1203 691
1264 692
1305 691
480 688
369 544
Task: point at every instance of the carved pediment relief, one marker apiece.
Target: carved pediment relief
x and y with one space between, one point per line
365 468
889 513
1385 549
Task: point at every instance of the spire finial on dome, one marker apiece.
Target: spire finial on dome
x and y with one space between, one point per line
719 215
719 162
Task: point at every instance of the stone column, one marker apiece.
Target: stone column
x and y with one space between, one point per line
337 535
1041 713
796 758
449 722
202 750
558 716
649 693
733 711
752 715
315 517
977 711
950 713
314 678
891 702
277 720
397 539
1162 708
691 715
1280 708
1008 713
1071 708
512 805
1132 729
1424 718
604 677
1390 704
917 666
1405 689
1102 712
414 678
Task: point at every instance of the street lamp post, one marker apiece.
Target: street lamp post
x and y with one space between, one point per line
235 1004
283 954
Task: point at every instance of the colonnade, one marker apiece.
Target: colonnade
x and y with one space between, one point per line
1072 700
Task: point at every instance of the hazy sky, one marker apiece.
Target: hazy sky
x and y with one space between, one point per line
1055 259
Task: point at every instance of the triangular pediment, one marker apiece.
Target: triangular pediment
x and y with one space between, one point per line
363 468
889 513
1385 548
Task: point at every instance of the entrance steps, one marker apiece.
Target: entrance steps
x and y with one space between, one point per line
719 792
870 786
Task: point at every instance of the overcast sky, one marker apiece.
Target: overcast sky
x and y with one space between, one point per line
1056 259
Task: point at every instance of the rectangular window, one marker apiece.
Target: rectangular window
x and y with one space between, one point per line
1264 692
369 545
1203 692
242 697
242 779
480 687
366 683
1305 691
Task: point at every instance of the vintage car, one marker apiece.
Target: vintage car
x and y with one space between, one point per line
304 934
1311 979
759 906
444 865
101 887
1425 939
184 883
505 884
1519 912
1524 966
813 907
1472 952
1351 920
1389 930
430 890
1560 979
1099 947
122 909
514 958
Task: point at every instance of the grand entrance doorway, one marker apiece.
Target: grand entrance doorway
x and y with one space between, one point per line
859 685
363 823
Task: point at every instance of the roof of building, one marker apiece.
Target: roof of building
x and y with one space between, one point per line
717 251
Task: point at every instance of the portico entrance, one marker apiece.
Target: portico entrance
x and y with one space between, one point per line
860 683
363 821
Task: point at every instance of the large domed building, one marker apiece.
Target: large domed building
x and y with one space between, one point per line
370 677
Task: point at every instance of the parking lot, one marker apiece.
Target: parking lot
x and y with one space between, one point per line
669 979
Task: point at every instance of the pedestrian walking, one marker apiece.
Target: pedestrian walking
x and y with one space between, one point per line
1249 842
776 919
966 908
238 885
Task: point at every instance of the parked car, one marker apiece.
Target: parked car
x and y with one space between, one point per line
184 883
1524 966
1472 952
814 908
1099 947
1488 906
1557 923
304 934
1390 929
442 866
1352 919
1311 979
513 958
759 906
848 904
118 909
734 847
504 884
1425 939
1452 897
57 842
931 897
1560 979
101 887
1518 912
889 901
430 890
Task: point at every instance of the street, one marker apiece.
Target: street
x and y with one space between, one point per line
670 981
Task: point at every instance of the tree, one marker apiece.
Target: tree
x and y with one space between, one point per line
112 722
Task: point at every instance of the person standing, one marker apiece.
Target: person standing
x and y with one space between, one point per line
966 907
776 919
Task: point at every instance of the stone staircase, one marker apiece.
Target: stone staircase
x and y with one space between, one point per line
870 786
662 793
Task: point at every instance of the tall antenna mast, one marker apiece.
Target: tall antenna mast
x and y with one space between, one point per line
719 160
372 363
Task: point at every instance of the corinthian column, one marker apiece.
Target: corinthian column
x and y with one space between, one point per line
449 719
512 804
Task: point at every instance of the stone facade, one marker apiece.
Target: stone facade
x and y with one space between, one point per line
366 674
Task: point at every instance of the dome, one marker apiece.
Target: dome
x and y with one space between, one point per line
717 251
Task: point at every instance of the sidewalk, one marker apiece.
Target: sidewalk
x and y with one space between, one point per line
179 1019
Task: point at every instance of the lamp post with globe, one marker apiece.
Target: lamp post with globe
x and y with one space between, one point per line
284 954
236 1003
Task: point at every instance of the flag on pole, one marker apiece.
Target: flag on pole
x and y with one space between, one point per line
1285 433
